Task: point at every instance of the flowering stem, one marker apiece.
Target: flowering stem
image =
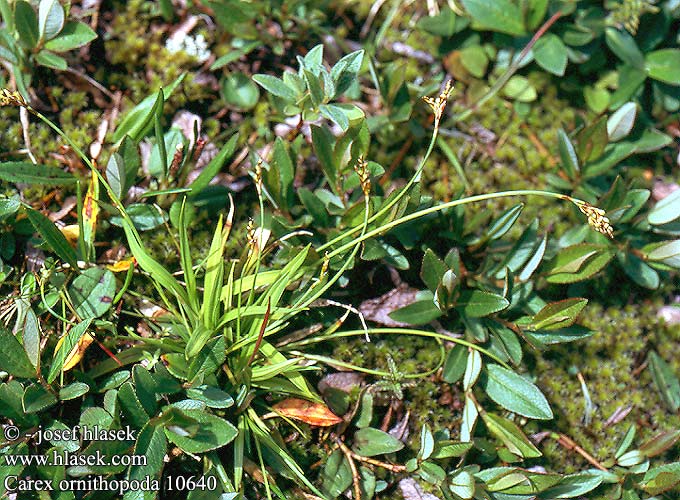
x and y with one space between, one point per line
444 206
514 66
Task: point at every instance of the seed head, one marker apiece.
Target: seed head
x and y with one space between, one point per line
596 218
361 168
258 177
12 98
439 103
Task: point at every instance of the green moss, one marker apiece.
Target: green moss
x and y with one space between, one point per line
136 46
612 365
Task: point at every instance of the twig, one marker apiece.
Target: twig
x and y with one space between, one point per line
514 66
356 480
23 117
370 17
569 444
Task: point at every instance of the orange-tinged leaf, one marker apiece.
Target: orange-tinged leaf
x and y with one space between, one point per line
71 232
77 352
121 265
90 213
311 413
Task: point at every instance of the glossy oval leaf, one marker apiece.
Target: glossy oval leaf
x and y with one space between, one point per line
369 442
213 432
550 54
621 122
477 304
666 210
663 65
515 393
497 15
73 36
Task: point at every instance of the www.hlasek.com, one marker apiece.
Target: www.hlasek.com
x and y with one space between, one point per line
16 483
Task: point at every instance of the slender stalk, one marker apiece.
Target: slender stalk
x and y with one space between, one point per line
384 209
398 331
438 208
514 66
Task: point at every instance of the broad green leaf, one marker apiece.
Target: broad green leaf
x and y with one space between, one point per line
511 436
420 312
559 314
623 45
567 154
314 207
499 227
626 441
578 263
477 304
536 10
211 396
454 366
345 71
426 443
324 143
448 449
573 486
51 60
276 86
515 393
50 18
152 444
551 54
285 170
73 391
71 340
660 443
336 475
596 98
9 206
213 432
240 91
663 65
369 442
497 15
473 368
73 36
667 252
337 113
28 173
559 336
462 484
520 89
470 414
432 270
92 292
26 23
475 60
666 210
640 272
115 174
13 357
54 238
131 406
665 380
442 24
37 398
316 92
661 478
621 122
535 260
145 388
